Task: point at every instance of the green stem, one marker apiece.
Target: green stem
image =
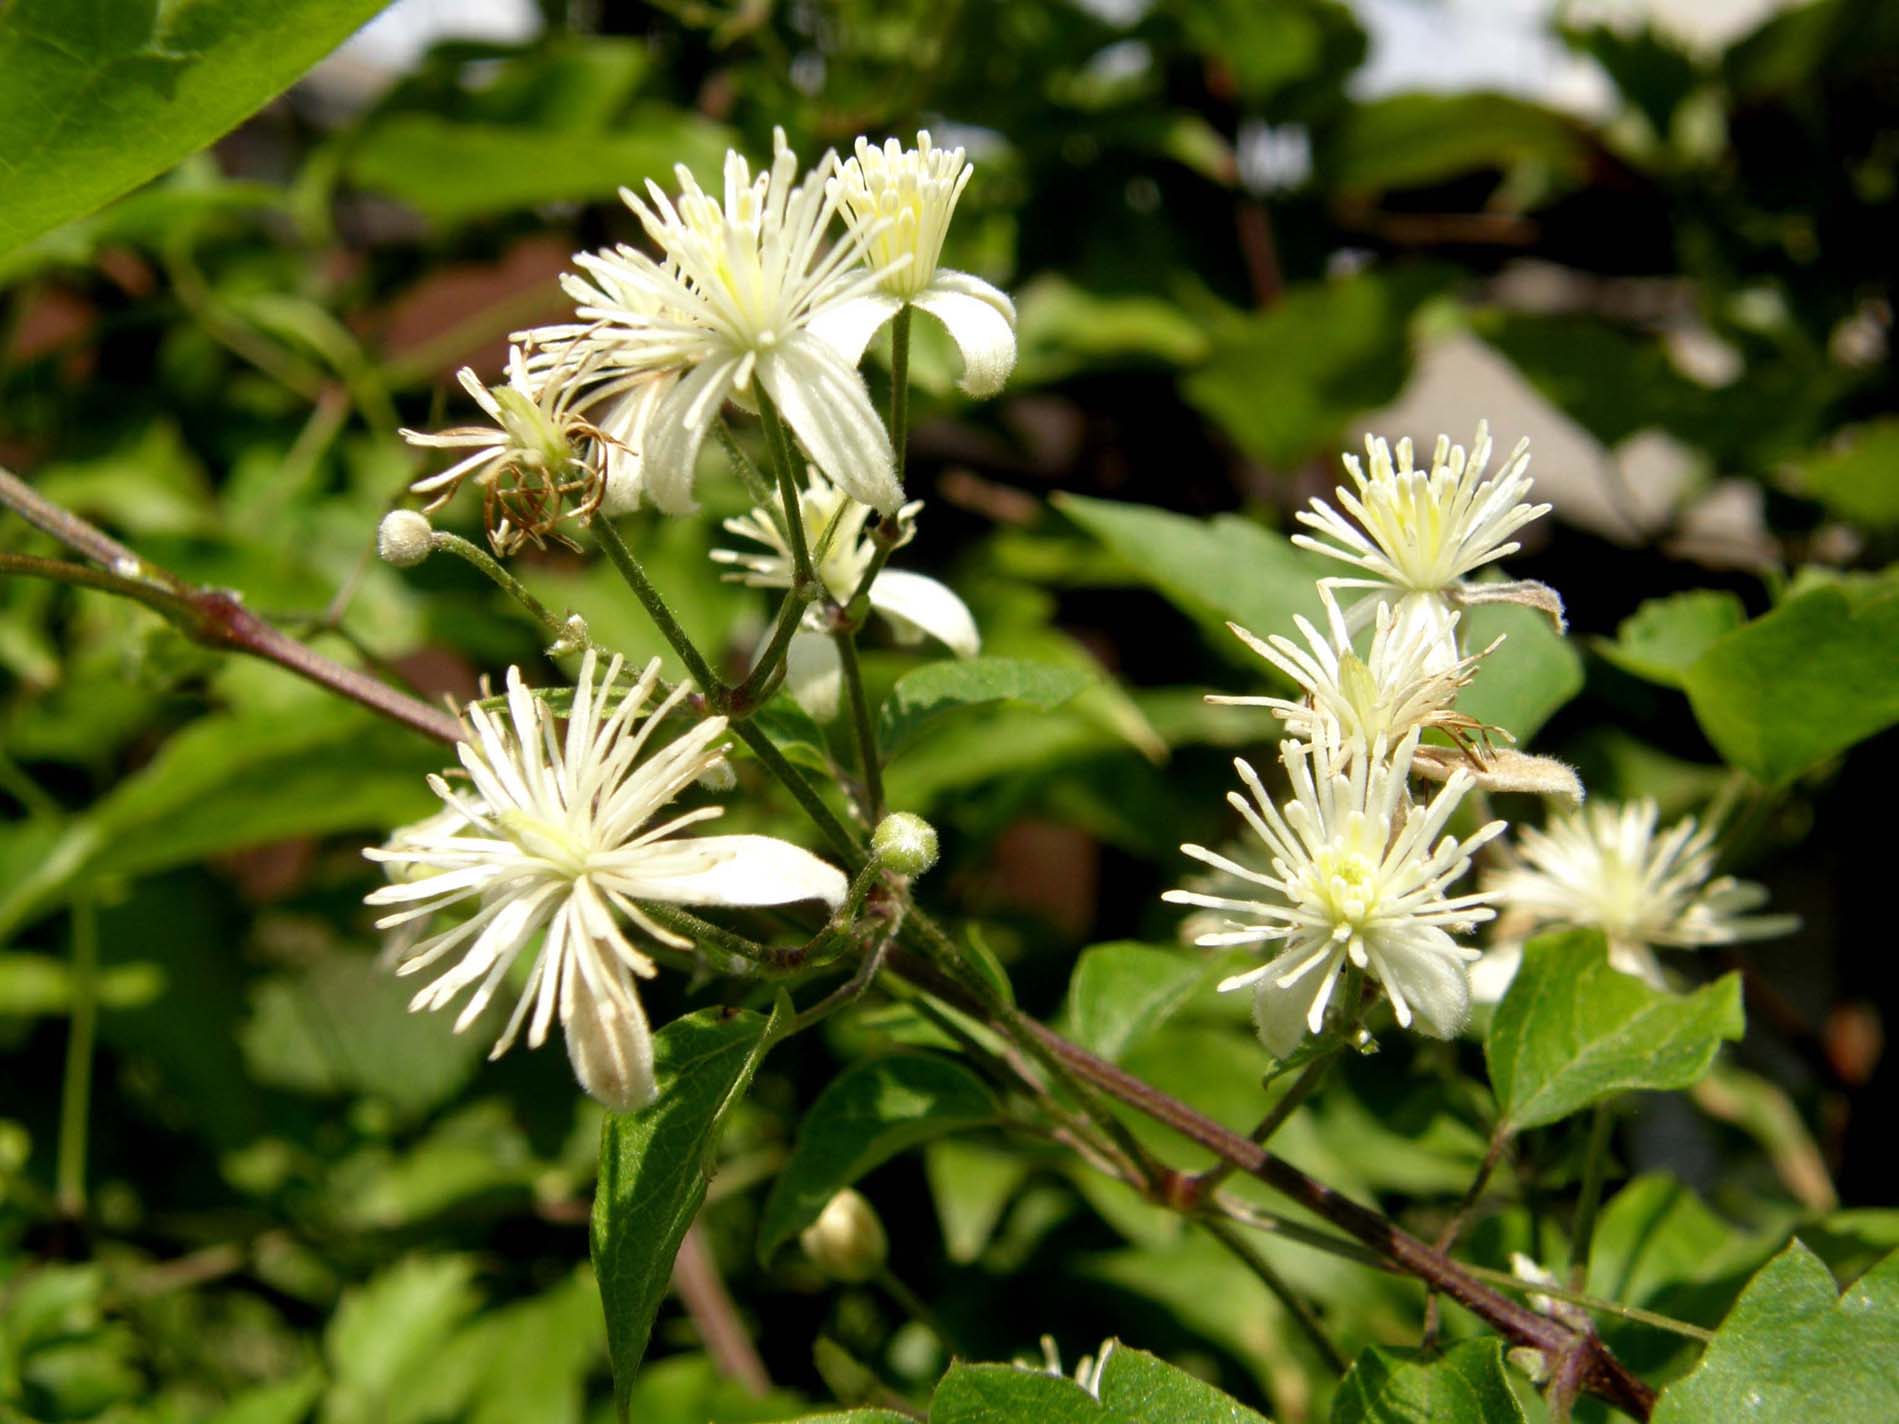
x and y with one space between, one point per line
778 443
1296 1305
76 1095
755 484
656 608
1595 1172
749 694
1591 1303
555 626
842 839
1195 1189
867 754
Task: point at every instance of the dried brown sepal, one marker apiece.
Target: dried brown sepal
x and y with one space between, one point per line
1501 769
1527 593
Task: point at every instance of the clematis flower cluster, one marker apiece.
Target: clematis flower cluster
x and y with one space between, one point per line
1349 877
766 290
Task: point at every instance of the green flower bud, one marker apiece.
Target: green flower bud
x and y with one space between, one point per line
847 1241
905 843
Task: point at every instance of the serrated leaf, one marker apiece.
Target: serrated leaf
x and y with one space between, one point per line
1797 685
653 1167
103 95
940 687
1211 569
1123 989
1464 1385
1521 685
869 1113
1662 639
1143 1386
1794 1348
1572 1031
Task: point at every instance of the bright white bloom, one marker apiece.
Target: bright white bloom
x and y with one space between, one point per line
1420 534
733 299
1398 685
562 837
899 203
1605 868
1356 880
841 553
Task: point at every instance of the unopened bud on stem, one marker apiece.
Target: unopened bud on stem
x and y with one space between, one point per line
847 1241
404 538
905 843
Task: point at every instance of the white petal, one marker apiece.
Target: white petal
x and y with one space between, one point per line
738 870
1435 987
625 423
916 605
1283 1016
813 675
827 406
678 428
982 324
611 1049
847 327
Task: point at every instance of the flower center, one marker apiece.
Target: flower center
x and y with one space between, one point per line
565 852
1371 712
541 443
1345 883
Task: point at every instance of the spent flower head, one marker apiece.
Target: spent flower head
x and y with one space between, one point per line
562 839
899 202
731 302
1356 881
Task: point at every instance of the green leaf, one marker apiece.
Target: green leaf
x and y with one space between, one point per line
1857 476
971 1184
1571 1031
101 95
653 1166
1285 383
1145 1387
940 687
1801 683
452 170
1006 1394
386 1337
286 1402
868 1114
34 984
1122 990
1464 1385
1664 637
1794 1347
1411 140
795 732
1521 685
1211 569
1061 329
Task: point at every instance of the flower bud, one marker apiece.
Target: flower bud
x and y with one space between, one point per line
847 1241
905 843
404 538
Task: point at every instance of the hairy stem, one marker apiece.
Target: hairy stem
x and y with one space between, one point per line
1195 1189
778 445
75 1105
868 757
1296 1305
489 566
656 607
900 388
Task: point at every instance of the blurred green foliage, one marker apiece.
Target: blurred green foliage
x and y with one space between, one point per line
302 1203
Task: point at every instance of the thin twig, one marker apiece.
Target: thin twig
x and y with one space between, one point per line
1296 1305
703 1293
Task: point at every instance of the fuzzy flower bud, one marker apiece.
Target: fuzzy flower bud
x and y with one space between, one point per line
905 843
847 1241
404 538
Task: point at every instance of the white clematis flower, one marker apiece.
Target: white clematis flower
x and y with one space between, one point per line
562 838
734 298
841 553
1398 685
1355 880
899 203
1420 534
1606 868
